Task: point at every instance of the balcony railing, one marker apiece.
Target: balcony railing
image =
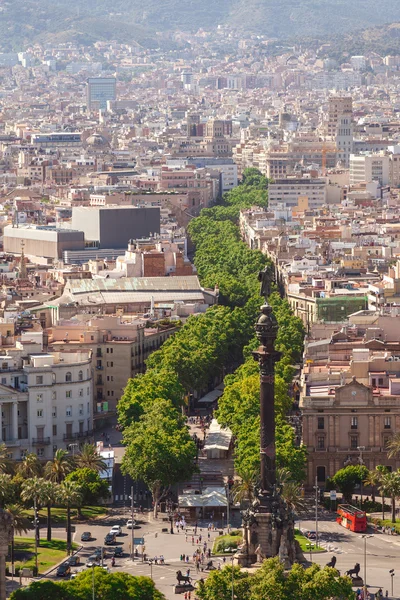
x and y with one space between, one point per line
78 435
45 441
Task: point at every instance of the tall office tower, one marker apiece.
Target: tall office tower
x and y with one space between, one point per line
99 90
339 126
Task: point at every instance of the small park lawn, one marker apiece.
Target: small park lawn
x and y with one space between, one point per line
303 541
223 542
49 553
59 514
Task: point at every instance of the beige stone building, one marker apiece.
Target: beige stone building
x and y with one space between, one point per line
120 347
350 396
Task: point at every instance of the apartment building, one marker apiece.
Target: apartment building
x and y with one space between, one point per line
46 400
120 347
365 168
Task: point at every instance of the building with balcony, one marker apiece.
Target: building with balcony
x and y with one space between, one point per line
350 394
46 400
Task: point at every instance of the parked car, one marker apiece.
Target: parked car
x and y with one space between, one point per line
100 551
93 560
86 536
64 570
74 561
312 535
129 524
116 529
110 539
118 551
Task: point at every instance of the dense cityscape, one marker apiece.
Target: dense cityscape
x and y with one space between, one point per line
200 314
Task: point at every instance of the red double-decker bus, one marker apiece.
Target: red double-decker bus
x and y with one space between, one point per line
352 518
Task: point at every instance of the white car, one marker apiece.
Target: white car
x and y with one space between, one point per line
129 524
116 530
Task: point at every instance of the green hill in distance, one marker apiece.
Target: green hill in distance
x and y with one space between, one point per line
24 21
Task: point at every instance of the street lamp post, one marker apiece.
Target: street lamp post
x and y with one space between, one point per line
233 596
361 462
365 537
227 505
316 511
133 523
392 577
151 568
310 546
36 532
73 446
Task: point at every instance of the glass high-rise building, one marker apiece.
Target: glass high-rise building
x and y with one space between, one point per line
99 90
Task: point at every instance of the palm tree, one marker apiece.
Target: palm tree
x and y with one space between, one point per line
57 469
381 471
393 446
7 489
49 496
6 465
88 457
34 490
243 491
70 495
291 491
30 466
21 524
390 486
372 480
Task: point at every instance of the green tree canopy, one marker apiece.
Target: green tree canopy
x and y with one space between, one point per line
348 478
273 582
160 450
93 489
108 586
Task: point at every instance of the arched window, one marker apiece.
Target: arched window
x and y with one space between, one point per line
80 375
68 376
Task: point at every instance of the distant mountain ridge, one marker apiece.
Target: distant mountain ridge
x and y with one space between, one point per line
24 21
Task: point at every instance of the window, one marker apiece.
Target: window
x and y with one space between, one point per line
54 429
54 412
39 397
68 411
39 379
87 391
81 409
4 380
80 376
54 395
321 422
68 376
88 408
387 423
321 475
39 413
321 442
68 394
40 451
353 442
354 422
81 393
380 381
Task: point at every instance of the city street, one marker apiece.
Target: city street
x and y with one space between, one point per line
383 553
156 543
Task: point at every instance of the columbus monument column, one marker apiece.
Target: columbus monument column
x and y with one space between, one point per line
268 525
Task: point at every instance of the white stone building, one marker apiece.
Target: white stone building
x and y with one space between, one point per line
46 401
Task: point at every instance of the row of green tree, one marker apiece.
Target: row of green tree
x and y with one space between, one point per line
65 481
272 582
90 584
160 451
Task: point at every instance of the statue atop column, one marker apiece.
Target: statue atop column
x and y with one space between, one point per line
270 531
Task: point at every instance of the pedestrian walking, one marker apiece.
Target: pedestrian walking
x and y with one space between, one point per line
192 540
209 536
187 572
